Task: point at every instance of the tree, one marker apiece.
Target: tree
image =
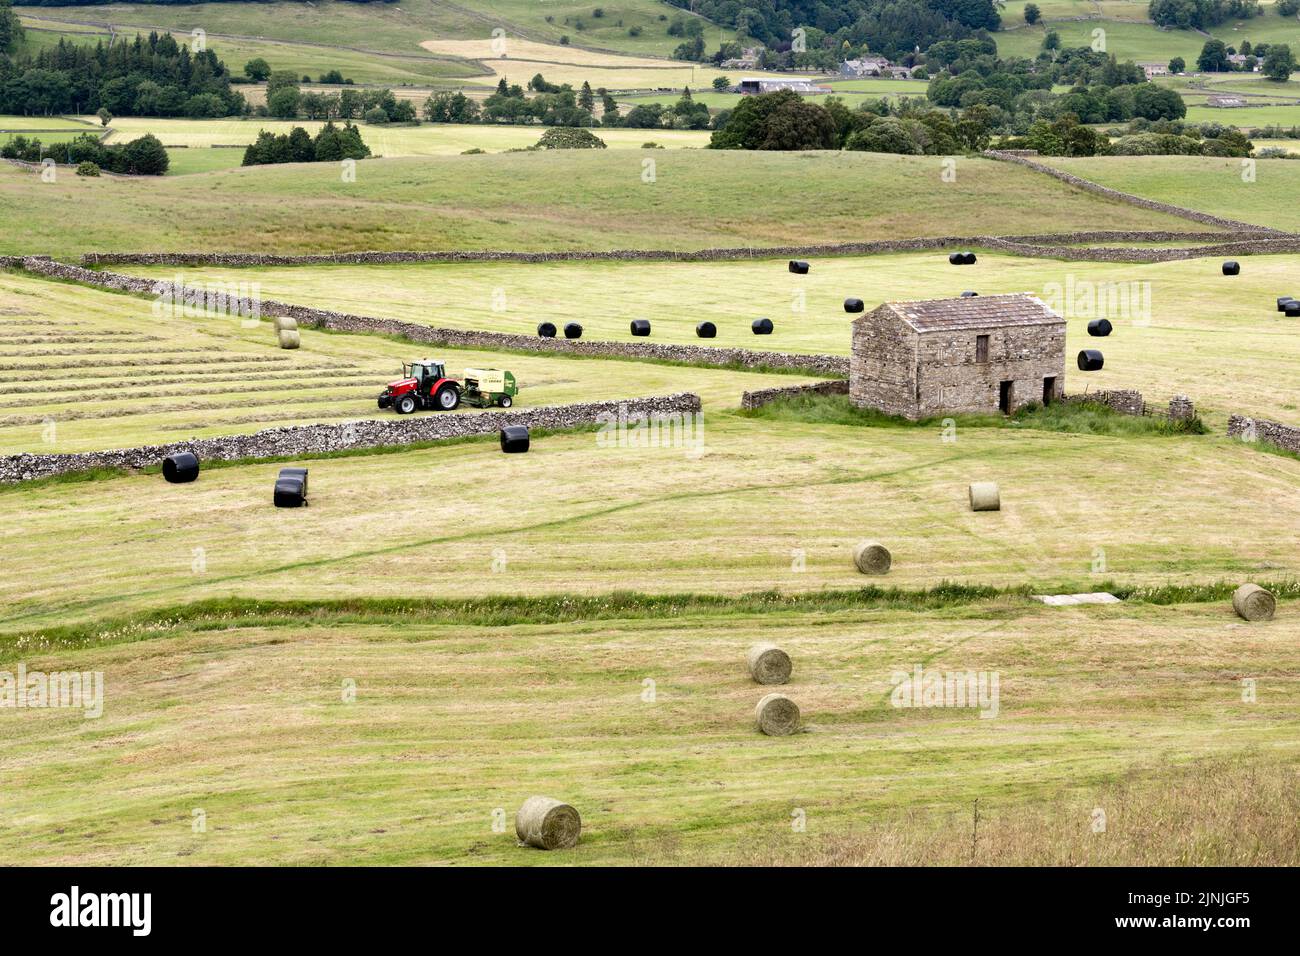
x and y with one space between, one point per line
146 156
1280 63
11 28
887 135
1287 8
281 80
105 117
782 120
722 84
1214 57
1052 41
586 98
257 69
565 137
283 104
1032 13
1179 65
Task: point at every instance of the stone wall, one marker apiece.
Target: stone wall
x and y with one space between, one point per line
1089 186
304 441
765 396
1123 400
828 365
1262 430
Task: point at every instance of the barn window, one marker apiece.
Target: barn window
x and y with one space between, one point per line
981 348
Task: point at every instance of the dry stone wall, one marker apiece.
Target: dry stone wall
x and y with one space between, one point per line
765 396
1261 430
304 441
1123 400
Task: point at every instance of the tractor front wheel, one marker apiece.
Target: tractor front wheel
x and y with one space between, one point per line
405 405
505 401
448 398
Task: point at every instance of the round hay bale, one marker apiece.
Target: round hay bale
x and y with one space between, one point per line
285 323
969 295
1231 268
872 557
546 330
181 468
1284 301
547 824
1100 328
968 258
777 715
762 326
290 492
641 327
1292 310
514 439
984 496
289 339
853 305
768 664
706 330
300 473
1090 360
799 267
573 331
955 259
1253 603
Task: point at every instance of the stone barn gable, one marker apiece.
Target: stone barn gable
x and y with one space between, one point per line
941 356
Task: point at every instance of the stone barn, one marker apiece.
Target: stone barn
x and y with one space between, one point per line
984 353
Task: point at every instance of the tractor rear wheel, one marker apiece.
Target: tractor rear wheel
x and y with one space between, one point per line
405 405
505 401
448 398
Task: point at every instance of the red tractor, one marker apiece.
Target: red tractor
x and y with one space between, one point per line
424 385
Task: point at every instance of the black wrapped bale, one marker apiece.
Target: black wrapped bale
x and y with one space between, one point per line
799 267
641 327
706 330
853 305
181 468
969 295
1100 328
573 331
514 439
1284 301
1292 310
296 473
955 259
968 258
1231 268
1090 360
290 492
546 330
762 326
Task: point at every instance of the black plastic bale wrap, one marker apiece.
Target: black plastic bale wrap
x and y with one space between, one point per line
546 330
799 267
969 295
853 305
762 326
514 439
181 467
706 330
296 473
1292 310
573 331
1284 301
290 492
641 327
1090 360
955 259
1231 268
1100 328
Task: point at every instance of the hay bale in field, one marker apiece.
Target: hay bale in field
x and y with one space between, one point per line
1090 360
546 330
573 331
1100 328
289 339
853 305
641 327
547 824
290 492
762 326
872 557
1231 268
984 496
706 330
1292 310
969 295
768 664
955 259
777 715
799 267
1283 301
1253 603
296 473
285 323
514 439
181 468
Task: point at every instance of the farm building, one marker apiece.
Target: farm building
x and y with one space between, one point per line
977 354
759 85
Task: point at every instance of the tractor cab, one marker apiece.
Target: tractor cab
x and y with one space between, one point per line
423 384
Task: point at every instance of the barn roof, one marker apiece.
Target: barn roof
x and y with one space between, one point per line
974 312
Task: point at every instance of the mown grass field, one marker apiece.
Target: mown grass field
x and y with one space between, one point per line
602 199
153 378
1181 327
453 725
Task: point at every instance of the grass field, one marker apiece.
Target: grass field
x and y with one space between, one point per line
698 198
1236 359
1133 709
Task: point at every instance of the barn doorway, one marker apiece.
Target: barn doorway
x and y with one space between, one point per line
1049 389
1004 398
